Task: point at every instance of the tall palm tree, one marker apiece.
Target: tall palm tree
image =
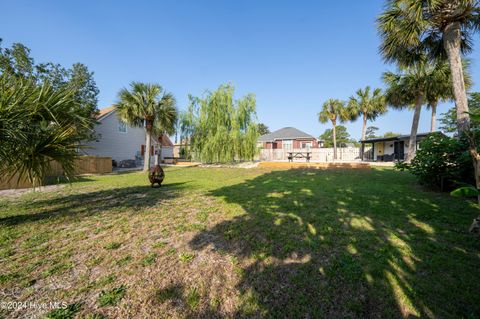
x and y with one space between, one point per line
334 110
413 87
439 93
439 27
149 106
441 90
432 106
368 106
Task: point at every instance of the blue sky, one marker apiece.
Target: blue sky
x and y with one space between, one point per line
292 54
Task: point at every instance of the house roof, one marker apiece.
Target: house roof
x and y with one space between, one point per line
104 112
286 133
165 141
393 138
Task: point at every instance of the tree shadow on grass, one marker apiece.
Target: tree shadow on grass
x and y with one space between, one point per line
89 203
348 244
52 180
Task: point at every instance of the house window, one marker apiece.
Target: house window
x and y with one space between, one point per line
122 127
287 144
142 150
307 145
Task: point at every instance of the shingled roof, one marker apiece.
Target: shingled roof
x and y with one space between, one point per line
104 112
393 138
164 140
286 133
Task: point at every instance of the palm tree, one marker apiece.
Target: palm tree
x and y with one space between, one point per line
440 93
148 106
410 28
368 106
432 106
334 110
38 128
441 90
414 86
440 28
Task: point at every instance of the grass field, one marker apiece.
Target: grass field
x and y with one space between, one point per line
218 242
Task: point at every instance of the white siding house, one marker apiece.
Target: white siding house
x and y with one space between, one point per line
390 148
123 142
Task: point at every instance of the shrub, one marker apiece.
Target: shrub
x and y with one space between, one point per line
402 166
442 162
183 152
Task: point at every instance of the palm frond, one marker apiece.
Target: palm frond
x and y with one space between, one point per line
148 103
37 128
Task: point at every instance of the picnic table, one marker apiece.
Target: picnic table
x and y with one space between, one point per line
292 155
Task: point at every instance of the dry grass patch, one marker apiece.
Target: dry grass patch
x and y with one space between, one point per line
224 242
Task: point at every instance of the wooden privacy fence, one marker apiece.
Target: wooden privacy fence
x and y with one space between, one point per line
317 154
83 165
93 165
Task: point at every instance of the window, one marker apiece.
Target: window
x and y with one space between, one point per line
287 144
142 150
122 127
307 145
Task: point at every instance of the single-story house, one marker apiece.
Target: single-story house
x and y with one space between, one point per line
120 141
288 138
389 148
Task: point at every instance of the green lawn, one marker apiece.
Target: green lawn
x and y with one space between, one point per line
216 242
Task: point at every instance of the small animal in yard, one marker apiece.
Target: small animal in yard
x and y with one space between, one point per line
156 175
475 227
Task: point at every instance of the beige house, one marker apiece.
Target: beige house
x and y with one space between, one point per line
123 142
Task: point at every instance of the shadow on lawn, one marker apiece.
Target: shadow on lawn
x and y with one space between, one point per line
348 244
95 202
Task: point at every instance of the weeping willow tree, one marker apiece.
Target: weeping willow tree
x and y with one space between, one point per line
220 129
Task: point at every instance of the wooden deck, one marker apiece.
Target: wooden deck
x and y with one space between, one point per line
338 165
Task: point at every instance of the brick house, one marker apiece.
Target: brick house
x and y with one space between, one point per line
288 138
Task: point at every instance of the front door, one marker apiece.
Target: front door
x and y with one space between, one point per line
399 149
380 147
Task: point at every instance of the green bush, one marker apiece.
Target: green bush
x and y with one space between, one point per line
402 166
183 152
442 162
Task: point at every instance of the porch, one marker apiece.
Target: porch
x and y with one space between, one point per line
387 149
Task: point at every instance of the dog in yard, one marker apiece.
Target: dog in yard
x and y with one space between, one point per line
156 175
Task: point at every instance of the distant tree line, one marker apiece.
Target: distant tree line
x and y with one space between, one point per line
343 138
263 129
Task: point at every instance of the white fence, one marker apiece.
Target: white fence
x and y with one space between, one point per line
316 154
